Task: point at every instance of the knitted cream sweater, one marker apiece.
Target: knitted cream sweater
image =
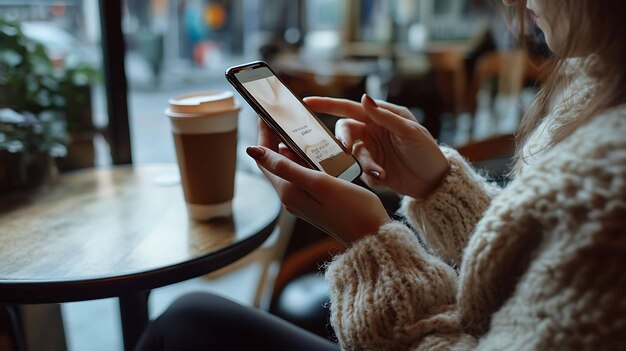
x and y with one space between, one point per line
538 265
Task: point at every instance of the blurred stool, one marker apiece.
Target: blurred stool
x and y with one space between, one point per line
304 302
300 292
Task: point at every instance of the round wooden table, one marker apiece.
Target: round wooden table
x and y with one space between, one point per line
119 232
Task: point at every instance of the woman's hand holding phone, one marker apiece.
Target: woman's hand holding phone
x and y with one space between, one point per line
338 207
297 126
393 148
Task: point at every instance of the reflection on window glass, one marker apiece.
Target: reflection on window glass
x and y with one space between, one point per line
325 14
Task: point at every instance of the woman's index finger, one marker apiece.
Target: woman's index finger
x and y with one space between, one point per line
337 107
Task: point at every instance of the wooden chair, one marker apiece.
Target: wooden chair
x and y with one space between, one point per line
496 147
269 256
510 71
448 67
507 67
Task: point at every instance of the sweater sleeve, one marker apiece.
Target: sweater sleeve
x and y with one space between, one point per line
388 293
545 271
447 217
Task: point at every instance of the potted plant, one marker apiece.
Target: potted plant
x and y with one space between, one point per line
75 87
27 145
39 104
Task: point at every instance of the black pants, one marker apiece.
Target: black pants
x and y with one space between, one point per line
202 321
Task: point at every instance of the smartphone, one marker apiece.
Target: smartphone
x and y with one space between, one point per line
297 127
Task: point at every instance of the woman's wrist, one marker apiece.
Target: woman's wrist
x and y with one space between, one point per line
428 190
372 228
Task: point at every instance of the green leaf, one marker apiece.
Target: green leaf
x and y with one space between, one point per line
43 98
59 101
14 146
50 83
8 30
41 66
10 58
80 78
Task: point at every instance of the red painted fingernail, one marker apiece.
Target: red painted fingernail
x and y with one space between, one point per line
370 100
255 152
374 174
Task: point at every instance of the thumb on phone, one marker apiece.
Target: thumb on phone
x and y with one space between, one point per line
267 137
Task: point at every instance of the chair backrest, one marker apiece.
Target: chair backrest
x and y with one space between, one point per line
496 147
512 69
496 117
448 66
507 67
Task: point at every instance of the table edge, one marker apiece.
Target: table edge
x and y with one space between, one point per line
37 292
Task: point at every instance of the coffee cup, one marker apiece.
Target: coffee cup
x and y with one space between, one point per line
204 127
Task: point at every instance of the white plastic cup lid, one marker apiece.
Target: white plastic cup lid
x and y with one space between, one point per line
201 103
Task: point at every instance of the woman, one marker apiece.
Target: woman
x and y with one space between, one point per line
536 265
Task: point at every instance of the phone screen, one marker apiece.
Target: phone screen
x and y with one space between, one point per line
298 123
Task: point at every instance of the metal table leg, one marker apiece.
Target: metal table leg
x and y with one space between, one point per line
134 314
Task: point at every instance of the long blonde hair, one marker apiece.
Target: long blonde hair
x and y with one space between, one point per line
602 36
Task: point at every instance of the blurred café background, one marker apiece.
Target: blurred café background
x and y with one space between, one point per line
453 63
